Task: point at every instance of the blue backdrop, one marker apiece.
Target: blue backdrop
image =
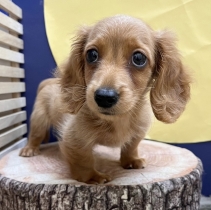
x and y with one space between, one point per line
39 64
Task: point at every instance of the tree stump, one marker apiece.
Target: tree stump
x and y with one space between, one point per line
171 180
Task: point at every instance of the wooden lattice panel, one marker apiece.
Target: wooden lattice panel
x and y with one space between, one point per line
12 116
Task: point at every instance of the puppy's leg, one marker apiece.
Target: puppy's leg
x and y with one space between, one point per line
39 131
129 155
81 162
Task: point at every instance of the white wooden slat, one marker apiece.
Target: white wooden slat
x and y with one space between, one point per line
12 119
12 87
10 7
10 40
10 104
11 55
12 72
17 145
10 24
9 136
5 63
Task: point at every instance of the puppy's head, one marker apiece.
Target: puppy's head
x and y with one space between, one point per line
113 65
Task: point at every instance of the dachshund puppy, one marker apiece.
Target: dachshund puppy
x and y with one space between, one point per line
46 113
119 72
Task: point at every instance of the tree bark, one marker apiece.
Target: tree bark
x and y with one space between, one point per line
24 187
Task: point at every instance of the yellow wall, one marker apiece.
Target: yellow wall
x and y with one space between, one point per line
190 19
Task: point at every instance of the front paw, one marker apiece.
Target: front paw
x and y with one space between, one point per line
133 163
99 178
89 176
29 151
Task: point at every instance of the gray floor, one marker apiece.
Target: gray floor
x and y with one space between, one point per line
205 203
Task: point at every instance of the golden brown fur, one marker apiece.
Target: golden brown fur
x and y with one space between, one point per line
125 124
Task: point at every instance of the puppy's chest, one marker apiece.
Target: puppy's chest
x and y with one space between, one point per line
115 133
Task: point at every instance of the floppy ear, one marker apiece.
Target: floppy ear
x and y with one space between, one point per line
71 74
171 87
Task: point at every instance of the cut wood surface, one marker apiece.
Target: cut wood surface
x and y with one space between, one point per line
171 180
12 72
10 7
10 104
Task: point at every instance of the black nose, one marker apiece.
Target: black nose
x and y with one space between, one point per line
106 98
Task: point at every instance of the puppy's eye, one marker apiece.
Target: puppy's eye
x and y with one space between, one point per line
92 56
139 59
